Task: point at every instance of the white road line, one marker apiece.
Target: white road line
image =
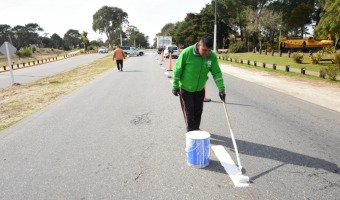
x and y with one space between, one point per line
229 165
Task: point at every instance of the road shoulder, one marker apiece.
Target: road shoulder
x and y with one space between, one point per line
317 92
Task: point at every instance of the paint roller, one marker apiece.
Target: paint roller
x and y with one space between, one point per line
240 177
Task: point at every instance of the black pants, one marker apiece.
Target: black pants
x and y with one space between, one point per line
192 107
119 64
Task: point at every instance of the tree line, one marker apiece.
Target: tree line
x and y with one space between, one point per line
23 36
107 20
258 22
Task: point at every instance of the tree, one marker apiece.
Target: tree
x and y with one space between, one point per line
72 39
57 41
5 33
46 42
23 36
270 22
300 17
84 40
222 21
19 36
110 21
329 23
142 40
131 34
168 29
187 32
33 30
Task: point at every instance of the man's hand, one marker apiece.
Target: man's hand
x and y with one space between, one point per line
222 95
175 91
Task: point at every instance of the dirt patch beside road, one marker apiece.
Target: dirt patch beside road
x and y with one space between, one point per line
314 91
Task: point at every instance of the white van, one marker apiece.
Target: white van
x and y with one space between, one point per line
173 49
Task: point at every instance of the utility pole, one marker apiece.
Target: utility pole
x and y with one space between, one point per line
121 27
215 29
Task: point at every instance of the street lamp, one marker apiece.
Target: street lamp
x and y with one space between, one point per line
215 29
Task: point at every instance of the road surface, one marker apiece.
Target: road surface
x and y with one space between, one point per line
122 136
30 74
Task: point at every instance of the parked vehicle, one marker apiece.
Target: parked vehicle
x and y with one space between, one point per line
162 42
171 49
132 51
103 50
304 44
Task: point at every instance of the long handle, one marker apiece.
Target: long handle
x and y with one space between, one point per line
232 137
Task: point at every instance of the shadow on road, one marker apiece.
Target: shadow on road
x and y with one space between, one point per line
273 153
236 104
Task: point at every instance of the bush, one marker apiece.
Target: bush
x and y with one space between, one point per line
330 49
337 58
24 52
333 71
315 57
90 48
297 57
237 47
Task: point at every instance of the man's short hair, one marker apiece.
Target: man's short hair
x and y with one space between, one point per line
207 41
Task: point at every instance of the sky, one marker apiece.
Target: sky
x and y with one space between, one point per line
58 16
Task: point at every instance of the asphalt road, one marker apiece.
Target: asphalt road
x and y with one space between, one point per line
30 74
122 136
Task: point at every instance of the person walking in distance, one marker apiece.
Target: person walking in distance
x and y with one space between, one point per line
119 55
190 75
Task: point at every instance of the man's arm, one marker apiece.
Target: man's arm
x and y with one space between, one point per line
217 74
178 70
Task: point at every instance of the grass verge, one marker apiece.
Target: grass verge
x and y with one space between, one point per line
18 102
298 76
282 61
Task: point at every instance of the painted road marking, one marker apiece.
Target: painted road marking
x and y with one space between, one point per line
229 165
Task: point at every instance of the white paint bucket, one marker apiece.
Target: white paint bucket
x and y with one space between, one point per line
198 148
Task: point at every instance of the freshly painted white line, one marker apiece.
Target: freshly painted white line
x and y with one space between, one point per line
230 167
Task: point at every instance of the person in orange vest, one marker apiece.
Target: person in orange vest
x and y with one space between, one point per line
119 55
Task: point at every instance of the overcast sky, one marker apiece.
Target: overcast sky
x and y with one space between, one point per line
58 16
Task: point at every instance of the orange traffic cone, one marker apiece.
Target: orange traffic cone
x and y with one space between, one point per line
170 63
206 99
162 58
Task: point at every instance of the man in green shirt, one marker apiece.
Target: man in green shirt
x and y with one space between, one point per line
190 75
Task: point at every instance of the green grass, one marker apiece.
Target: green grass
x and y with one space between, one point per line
43 53
279 72
280 61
